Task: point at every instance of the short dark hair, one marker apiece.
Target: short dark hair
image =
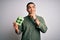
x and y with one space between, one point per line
30 3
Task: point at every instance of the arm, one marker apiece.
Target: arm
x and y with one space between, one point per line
41 24
16 28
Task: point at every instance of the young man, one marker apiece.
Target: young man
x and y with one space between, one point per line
32 24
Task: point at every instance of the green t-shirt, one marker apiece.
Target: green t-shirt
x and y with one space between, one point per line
29 29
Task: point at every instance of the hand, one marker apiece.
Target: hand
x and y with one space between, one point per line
34 17
37 22
15 26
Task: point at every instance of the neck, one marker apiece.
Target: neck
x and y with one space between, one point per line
31 15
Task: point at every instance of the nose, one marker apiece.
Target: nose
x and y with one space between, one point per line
31 9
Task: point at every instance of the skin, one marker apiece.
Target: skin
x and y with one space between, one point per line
32 13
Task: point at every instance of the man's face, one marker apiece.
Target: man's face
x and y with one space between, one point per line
31 9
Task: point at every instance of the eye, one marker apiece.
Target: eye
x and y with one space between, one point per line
33 6
29 7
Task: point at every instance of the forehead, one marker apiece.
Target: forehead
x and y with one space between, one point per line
31 5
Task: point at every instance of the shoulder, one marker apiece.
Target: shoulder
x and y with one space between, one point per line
25 19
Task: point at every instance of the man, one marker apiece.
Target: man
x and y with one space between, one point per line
32 24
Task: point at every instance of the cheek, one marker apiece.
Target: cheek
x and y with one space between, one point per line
29 10
34 9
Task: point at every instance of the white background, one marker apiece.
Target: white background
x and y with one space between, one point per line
11 9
